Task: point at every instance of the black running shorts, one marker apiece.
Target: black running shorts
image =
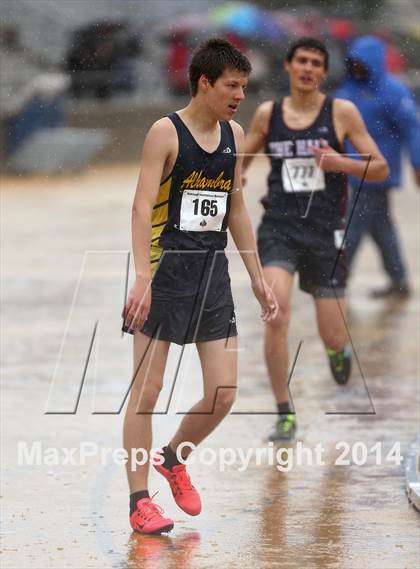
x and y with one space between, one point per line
191 298
311 250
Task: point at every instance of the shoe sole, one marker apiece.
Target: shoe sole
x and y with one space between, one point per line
165 529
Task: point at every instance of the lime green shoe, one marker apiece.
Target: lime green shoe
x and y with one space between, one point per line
340 364
284 429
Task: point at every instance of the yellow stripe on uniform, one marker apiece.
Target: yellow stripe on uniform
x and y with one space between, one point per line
159 219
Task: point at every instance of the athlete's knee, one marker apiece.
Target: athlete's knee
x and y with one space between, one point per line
281 322
146 397
225 398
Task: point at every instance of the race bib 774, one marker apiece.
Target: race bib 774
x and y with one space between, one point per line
302 175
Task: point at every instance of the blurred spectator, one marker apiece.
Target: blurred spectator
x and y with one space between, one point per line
178 60
99 60
390 114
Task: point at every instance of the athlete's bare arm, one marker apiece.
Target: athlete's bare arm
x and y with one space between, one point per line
255 139
160 146
349 124
242 232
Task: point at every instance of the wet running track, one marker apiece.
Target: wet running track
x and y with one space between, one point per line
65 243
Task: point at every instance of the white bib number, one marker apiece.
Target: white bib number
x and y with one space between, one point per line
302 175
202 211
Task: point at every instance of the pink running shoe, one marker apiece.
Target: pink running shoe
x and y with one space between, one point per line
148 518
184 493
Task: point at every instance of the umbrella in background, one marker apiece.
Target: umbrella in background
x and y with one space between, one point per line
247 21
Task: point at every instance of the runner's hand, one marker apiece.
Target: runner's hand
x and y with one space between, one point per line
326 157
137 308
266 298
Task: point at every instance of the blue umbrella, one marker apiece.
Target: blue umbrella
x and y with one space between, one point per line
247 21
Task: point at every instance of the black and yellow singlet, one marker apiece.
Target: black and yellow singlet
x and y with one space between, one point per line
192 207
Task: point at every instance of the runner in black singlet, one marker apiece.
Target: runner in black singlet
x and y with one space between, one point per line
189 235
188 195
302 227
305 207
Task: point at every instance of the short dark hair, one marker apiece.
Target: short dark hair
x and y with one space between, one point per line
308 43
211 58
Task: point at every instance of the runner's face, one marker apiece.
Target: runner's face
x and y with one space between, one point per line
228 91
306 70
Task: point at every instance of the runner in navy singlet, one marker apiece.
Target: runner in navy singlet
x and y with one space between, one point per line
187 196
303 223
189 235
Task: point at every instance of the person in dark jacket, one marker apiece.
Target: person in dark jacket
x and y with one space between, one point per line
388 109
